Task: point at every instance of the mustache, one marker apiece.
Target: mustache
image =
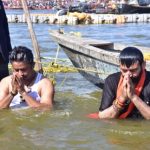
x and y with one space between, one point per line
136 79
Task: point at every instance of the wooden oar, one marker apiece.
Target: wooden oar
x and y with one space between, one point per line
38 66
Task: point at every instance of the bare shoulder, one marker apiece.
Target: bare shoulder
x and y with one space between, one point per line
46 82
5 83
6 80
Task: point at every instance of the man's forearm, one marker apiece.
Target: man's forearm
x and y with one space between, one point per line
142 107
109 113
4 103
114 110
32 102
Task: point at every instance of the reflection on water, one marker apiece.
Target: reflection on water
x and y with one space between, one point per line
66 127
136 134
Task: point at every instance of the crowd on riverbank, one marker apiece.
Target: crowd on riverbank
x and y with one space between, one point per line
33 4
48 4
91 6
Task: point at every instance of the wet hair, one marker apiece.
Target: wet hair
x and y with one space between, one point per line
21 53
131 55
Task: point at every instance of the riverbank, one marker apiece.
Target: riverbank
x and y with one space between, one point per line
81 18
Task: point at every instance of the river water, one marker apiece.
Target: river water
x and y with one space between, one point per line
67 127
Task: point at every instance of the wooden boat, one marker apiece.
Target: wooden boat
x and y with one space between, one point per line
95 59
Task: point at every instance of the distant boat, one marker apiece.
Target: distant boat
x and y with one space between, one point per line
134 6
95 59
132 9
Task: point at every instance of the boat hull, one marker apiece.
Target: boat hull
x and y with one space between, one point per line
132 9
90 68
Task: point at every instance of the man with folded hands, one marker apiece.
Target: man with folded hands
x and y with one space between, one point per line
126 94
25 87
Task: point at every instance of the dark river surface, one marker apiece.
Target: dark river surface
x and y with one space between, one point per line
67 127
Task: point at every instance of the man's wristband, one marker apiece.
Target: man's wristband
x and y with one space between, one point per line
116 106
119 101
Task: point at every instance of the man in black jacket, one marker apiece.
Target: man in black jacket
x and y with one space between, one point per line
5 45
126 94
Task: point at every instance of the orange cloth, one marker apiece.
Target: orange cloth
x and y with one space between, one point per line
93 115
138 89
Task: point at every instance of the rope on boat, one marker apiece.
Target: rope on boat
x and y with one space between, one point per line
56 68
52 67
63 81
57 52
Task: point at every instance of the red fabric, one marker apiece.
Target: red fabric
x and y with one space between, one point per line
138 89
93 115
